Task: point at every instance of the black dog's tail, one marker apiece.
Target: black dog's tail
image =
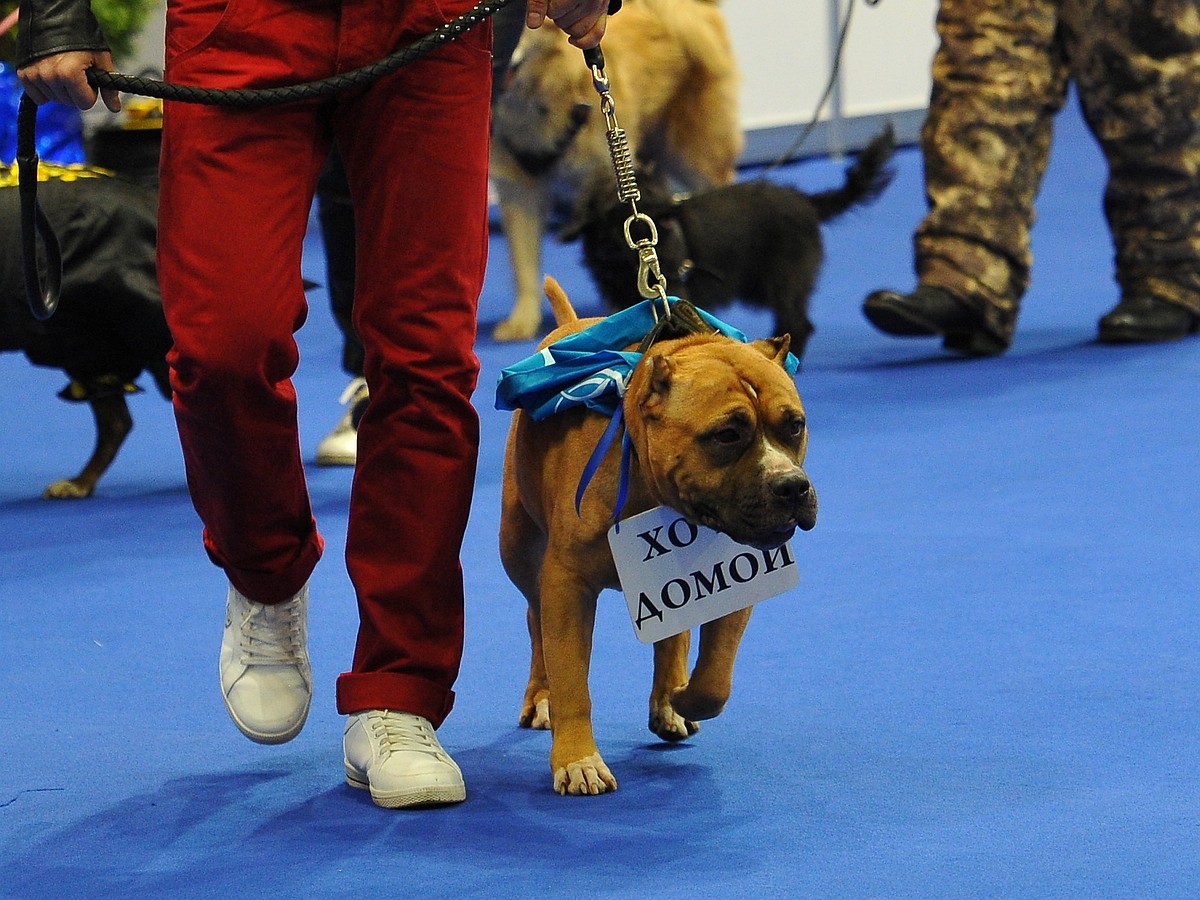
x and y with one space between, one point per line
865 179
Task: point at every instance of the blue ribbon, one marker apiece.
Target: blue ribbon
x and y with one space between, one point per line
593 463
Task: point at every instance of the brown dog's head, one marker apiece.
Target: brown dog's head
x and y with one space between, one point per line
720 435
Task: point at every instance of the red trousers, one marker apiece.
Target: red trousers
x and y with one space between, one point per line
236 191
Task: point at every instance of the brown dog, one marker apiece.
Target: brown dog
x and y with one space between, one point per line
674 83
718 434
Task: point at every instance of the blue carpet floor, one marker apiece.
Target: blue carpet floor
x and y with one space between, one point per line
986 684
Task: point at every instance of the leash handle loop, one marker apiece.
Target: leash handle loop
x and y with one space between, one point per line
41 294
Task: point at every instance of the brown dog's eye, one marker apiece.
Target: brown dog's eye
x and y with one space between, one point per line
796 426
727 436
726 443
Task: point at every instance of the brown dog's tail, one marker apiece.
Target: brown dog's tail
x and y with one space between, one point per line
560 305
865 180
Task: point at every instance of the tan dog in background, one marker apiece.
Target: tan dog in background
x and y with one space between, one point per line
718 434
674 82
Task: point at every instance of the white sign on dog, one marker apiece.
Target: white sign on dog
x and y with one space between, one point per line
676 575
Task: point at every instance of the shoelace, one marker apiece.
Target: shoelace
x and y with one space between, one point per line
271 635
404 734
352 390
354 398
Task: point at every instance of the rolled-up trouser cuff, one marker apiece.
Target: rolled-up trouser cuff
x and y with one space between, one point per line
271 587
358 691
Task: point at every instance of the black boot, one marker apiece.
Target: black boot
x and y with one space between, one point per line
931 311
1145 320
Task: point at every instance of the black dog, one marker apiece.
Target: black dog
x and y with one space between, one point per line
755 240
109 326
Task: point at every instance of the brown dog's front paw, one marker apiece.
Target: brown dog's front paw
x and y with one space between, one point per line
587 776
536 714
670 726
67 489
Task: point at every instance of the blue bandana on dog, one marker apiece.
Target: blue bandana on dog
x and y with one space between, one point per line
589 368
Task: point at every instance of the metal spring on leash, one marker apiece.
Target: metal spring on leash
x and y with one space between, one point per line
651 283
622 157
614 134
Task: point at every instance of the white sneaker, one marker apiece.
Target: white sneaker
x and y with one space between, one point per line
340 446
265 676
398 758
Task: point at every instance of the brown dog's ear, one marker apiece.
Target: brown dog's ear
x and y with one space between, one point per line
774 349
660 377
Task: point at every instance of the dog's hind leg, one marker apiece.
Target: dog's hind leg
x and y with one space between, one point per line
113 423
522 546
670 674
791 313
705 694
535 707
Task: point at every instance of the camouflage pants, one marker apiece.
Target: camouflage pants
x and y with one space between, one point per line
999 77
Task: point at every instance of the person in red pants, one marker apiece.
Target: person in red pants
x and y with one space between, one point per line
236 190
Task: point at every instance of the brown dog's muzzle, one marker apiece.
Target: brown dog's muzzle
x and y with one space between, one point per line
768 518
795 493
791 504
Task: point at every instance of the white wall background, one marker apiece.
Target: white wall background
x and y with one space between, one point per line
786 51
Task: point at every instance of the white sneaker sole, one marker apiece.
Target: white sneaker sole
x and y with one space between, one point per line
415 797
336 459
260 737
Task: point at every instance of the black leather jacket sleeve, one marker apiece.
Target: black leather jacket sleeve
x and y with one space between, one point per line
55 26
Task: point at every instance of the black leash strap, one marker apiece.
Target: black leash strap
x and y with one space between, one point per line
43 294
254 98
